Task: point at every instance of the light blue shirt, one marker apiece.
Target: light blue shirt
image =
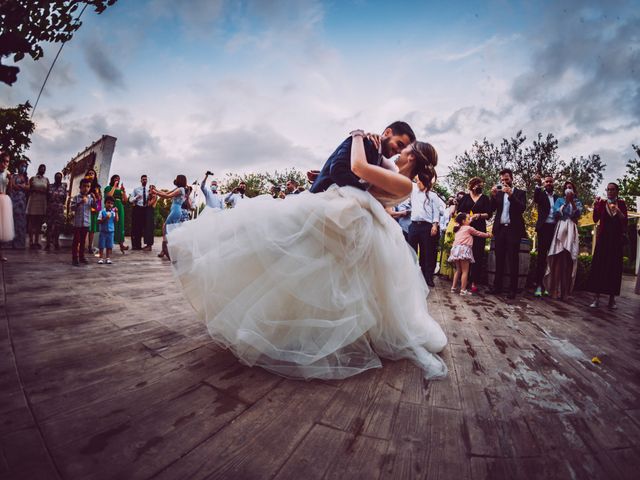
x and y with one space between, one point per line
213 200
406 220
426 207
550 217
505 218
136 197
108 218
564 211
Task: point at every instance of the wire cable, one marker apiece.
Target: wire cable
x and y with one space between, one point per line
52 65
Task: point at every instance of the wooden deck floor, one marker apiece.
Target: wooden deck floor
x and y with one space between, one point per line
105 373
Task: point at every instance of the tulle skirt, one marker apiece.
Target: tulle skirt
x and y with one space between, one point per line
461 252
314 286
7 232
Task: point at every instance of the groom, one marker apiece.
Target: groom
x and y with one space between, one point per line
337 169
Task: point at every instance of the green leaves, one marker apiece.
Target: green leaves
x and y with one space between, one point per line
15 132
25 24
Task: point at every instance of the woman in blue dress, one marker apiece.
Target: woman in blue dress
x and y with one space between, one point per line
178 195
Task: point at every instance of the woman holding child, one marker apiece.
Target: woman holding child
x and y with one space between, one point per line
116 191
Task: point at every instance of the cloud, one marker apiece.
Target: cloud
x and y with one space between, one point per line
585 68
256 148
100 62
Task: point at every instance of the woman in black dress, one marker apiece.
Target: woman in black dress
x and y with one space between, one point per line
478 204
606 267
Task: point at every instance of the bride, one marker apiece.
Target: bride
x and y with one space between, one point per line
317 285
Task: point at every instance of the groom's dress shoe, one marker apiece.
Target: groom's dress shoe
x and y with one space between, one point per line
430 282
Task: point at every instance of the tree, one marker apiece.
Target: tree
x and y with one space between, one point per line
586 173
15 132
630 182
483 160
262 183
281 178
26 24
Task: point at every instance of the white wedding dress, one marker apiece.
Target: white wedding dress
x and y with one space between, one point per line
312 286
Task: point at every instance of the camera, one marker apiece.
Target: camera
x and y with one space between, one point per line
209 172
498 187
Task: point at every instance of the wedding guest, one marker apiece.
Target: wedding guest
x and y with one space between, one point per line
178 196
478 206
187 205
424 233
81 205
236 195
19 189
37 205
118 193
606 266
142 217
212 198
96 191
462 251
545 199
509 203
562 259
637 290
402 214
6 209
107 219
292 187
56 198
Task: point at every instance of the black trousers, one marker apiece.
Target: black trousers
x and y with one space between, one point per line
545 236
423 243
141 226
77 245
507 244
478 270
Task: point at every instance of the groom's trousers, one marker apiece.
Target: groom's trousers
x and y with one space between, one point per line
426 246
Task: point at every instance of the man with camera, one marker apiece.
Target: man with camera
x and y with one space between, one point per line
237 195
509 204
212 198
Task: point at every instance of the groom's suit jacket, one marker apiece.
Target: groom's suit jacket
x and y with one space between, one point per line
337 169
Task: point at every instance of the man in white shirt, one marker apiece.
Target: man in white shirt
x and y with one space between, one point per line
427 212
237 195
142 217
212 198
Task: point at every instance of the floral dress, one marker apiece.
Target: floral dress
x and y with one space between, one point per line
55 205
19 200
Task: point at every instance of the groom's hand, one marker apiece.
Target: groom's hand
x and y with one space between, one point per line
312 175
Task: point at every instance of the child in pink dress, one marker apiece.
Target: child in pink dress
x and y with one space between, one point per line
462 252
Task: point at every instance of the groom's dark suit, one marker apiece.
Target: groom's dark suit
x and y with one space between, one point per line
337 169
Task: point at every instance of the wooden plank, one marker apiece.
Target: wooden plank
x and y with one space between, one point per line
410 444
258 443
140 446
315 454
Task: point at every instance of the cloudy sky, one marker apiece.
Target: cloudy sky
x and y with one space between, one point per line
254 85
